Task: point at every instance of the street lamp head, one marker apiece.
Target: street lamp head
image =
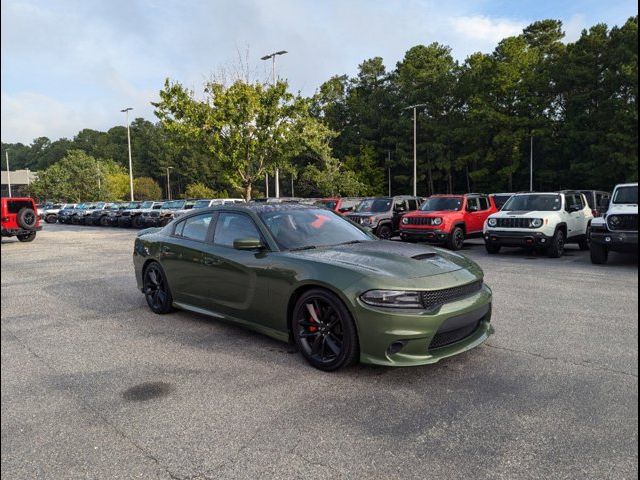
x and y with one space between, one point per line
272 55
281 52
266 57
126 109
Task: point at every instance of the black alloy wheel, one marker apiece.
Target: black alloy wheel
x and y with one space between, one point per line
384 232
324 330
456 239
556 250
156 290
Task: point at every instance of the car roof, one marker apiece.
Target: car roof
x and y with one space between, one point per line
627 185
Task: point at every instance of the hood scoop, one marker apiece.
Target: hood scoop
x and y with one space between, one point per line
424 256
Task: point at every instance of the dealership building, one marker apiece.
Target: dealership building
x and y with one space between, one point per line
19 181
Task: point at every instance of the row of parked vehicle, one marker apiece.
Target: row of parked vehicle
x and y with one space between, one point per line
594 220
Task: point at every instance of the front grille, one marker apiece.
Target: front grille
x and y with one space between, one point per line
436 298
154 214
514 222
356 219
627 223
419 221
447 338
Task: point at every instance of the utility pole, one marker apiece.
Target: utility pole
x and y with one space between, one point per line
531 163
6 152
126 111
292 192
415 145
272 57
169 183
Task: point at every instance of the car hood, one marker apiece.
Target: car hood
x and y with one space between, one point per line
523 214
388 258
622 209
430 213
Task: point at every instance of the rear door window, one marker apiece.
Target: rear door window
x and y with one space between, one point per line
195 227
484 203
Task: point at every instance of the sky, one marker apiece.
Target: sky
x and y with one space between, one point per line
68 65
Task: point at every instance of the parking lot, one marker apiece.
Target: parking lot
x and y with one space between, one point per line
94 385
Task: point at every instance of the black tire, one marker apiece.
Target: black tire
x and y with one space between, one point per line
324 331
384 231
156 289
104 221
136 222
492 248
456 239
556 249
27 237
27 218
53 218
586 243
599 254
164 221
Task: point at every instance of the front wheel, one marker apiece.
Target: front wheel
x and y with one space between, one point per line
599 254
556 250
384 232
156 289
585 243
456 239
323 330
137 222
51 218
492 249
27 237
104 221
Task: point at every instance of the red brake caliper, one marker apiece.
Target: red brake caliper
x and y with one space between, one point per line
312 329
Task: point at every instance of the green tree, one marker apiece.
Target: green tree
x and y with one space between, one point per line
117 186
145 188
199 190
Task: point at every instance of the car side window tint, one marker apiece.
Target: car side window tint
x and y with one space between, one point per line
484 203
472 203
233 226
194 228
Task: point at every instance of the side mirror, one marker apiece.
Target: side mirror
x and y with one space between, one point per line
247 244
345 210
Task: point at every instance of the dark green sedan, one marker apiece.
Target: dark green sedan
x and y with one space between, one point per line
308 276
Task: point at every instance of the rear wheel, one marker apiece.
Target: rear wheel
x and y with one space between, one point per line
599 254
136 222
492 249
27 237
556 250
456 239
51 218
324 331
104 221
156 290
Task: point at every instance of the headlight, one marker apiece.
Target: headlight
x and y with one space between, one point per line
437 221
492 222
405 220
613 220
392 298
536 223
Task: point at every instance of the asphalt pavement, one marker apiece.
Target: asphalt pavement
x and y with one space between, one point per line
94 385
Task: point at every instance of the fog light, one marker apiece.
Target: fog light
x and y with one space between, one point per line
543 240
607 239
395 347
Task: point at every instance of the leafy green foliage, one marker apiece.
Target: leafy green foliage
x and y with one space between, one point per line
199 190
145 188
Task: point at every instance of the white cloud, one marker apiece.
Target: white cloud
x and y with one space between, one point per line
486 30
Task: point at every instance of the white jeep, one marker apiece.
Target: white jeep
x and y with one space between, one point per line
541 221
617 230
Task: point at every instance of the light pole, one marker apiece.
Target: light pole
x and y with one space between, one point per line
272 57
389 169
415 144
6 153
126 112
169 183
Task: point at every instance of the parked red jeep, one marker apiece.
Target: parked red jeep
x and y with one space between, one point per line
448 219
341 205
19 218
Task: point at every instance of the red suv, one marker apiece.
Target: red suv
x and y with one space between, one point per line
448 219
341 205
20 218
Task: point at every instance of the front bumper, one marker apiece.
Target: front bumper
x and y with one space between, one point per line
517 238
431 236
380 328
616 241
151 222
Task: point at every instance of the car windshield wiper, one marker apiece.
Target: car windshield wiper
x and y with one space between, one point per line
351 242
307 247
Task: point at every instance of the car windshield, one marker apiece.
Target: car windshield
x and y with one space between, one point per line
435 204
626 195
308 228
535 202
374 205
173 204
330 204
147 204
202 204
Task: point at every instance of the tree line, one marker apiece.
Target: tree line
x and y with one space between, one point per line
574 105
